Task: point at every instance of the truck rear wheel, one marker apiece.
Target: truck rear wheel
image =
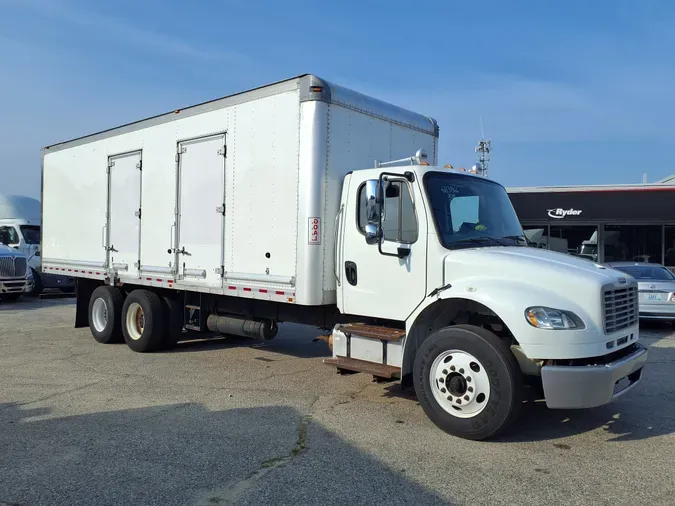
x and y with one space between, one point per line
105 308
468 382
143 321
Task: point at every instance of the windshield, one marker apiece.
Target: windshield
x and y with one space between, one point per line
31 234
471 212
647 272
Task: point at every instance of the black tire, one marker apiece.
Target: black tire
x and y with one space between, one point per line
37 284
174 323
113 300
506 381
148 335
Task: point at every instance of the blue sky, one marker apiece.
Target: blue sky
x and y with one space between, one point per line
574 92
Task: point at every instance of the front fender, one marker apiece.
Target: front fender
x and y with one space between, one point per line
509 299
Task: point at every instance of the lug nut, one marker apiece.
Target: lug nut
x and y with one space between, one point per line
450 398
443 390
441 380
466 397
452 367
445 371
470 389
461 371
459 401
468 379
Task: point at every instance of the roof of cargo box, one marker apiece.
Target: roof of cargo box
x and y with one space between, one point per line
311 88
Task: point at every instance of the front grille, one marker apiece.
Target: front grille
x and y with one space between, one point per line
620 308
12 267
19 267
6 267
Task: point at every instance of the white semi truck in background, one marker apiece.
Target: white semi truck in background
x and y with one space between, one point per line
20 230
273 205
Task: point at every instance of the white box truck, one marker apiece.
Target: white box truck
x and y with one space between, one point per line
270 206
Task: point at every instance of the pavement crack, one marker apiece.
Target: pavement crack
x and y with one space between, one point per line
233 493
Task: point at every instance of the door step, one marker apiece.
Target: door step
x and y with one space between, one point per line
371 331
353 364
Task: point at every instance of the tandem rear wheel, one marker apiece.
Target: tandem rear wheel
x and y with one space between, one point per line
142 319
468 382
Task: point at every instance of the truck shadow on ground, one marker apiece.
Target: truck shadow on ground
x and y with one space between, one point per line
188 454
645 412
294 340
32 303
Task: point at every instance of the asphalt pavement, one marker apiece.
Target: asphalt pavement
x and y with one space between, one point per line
251 422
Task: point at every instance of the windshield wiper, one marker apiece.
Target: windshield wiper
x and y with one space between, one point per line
480 240
519 238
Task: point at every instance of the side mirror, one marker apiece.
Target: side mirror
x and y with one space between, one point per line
372 235
373 202
393 191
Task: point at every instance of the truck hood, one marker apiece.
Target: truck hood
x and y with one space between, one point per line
535 266
7 251
509 279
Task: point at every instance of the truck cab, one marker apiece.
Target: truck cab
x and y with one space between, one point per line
442 254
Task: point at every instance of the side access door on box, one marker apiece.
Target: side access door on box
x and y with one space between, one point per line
122 237
200 211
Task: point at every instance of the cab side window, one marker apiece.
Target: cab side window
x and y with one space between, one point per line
8 235
399 223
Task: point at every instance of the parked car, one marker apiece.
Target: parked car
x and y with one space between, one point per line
16 278
656 286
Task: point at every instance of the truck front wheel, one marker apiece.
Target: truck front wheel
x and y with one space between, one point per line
105 307
143 321
468 382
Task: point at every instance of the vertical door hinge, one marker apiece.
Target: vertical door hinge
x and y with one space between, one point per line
137 265
222 151
139 165
221 209
220 270
111 164
138 213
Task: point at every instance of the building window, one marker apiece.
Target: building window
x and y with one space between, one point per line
537 237
573 239
633 243
399 222
580 241
669 246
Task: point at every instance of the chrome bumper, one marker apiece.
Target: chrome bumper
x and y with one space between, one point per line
589 386
16 286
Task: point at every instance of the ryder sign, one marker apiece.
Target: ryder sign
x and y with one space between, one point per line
560 213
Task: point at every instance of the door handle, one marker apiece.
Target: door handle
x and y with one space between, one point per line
351 273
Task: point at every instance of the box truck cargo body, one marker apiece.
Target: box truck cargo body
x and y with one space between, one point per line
306 202
236 196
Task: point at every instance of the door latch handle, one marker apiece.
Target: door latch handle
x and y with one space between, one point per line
112 248
351 273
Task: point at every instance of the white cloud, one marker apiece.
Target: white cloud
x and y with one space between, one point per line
76 14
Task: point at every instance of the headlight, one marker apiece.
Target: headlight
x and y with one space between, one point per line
552 319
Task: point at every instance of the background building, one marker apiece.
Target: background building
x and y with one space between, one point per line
602 223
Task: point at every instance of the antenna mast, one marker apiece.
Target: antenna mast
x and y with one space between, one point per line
483 148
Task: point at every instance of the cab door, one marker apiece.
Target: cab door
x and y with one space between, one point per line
385 279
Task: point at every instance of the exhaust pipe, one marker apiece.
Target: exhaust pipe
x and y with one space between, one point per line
244 328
